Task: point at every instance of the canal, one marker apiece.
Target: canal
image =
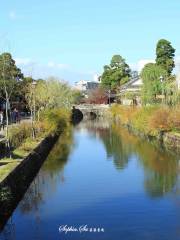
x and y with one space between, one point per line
101 182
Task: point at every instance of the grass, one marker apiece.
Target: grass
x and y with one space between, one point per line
52 122
6 169
17 156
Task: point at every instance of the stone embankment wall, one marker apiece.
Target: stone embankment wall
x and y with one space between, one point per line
13 187
172 141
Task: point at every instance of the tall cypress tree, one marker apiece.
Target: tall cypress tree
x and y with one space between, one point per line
165 55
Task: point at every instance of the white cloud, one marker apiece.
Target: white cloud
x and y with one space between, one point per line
37 70
138 66
12 15
23 61
141 63
61 66
177 62
51 64
133 66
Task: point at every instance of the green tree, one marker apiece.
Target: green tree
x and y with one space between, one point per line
77 96
10 75
21 89
115 74
165 55
50 93
152 85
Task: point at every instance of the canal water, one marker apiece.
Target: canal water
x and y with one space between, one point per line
101 183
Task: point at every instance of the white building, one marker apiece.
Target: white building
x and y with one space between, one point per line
131 88
178 80
85 86
134 85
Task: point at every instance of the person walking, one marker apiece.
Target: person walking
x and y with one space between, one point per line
15 115
1 120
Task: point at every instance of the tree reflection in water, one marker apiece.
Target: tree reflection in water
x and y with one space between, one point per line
160 167
50 174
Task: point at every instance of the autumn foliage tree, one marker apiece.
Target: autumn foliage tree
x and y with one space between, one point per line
98 96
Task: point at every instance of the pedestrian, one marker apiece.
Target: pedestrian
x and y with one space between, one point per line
1 120
15 115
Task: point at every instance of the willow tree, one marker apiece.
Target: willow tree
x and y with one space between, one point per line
49 94
152 86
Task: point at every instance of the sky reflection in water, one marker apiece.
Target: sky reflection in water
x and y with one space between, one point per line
104 177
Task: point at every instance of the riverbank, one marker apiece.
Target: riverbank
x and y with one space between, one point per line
25 137
27 155
20 177
153 122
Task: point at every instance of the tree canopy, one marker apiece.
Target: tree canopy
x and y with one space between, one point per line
115 74
10 74
50 93
165 55
151 77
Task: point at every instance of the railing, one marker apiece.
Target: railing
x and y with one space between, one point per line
92 106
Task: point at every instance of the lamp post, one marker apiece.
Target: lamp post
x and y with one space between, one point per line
162 81
109 96
34 83
33 111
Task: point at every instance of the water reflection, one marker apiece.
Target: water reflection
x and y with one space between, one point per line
100 174
160 167
50 175
44 184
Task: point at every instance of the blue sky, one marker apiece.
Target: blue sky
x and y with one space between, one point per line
73 39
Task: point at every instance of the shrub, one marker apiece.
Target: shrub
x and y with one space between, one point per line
55 120
148 119
159 121
18 133
174 118
52 121
124 113
141 119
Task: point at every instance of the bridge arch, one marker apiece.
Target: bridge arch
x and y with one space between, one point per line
92 111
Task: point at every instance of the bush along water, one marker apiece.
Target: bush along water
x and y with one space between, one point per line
16 175
153 121
52 122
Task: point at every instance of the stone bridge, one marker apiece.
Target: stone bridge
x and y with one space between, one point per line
93 110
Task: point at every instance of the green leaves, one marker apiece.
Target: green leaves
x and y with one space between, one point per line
118 72
165 55
49 94
10 74
151 73
152 85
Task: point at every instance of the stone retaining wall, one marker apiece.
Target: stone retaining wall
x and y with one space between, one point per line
172 141
14 186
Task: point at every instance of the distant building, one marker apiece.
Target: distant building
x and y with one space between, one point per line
178 81
130 91
134 85
86 86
